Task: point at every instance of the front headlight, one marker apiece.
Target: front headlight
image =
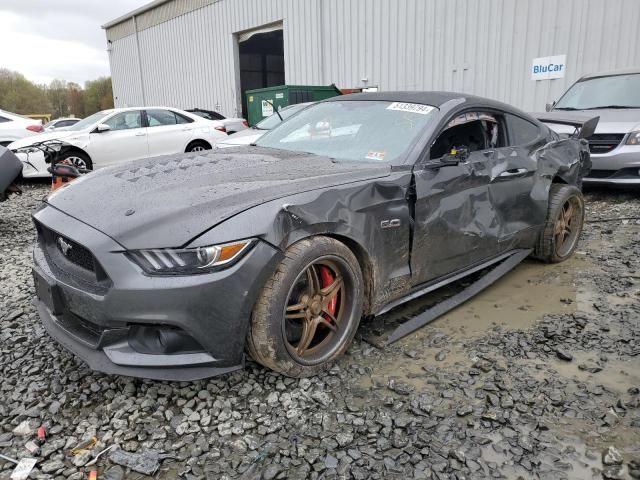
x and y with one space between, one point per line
634 138
188 261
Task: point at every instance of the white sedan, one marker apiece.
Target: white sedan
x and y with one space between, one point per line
14 127
123 134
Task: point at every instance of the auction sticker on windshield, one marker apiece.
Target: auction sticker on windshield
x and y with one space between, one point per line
411 107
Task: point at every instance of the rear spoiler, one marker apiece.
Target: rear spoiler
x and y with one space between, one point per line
585 125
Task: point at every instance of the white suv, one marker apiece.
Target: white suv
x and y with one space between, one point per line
120 135
14 127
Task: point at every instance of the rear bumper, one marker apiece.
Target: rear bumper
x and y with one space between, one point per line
101 324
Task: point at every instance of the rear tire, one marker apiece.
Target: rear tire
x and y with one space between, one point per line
197 146
308 311
565 218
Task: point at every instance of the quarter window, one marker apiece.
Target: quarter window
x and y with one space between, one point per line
4 119
521 131
125 120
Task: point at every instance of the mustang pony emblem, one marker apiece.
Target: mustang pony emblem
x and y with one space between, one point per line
64 246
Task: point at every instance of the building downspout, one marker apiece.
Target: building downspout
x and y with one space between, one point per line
135 27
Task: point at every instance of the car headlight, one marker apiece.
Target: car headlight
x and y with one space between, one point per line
189 261
634 138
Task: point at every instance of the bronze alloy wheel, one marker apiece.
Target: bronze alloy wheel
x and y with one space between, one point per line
567 226
317 310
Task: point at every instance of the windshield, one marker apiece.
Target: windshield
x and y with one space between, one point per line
618 91
90 120
365 131
274 120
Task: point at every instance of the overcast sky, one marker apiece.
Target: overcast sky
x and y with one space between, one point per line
47 39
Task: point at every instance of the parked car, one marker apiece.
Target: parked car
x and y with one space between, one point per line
231 125
615 146
122 135
250 135
169 268
14 127
60 123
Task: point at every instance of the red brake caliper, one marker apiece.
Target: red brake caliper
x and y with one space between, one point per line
327 278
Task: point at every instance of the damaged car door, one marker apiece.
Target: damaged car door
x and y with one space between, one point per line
513 177
456 224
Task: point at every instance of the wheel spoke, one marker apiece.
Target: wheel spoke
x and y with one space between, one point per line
568 212
332 326
308 332
313 279
328 293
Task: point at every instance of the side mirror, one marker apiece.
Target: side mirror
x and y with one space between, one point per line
549 106
102 127
455 156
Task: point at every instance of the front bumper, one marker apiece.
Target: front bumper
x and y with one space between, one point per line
619 167
95 314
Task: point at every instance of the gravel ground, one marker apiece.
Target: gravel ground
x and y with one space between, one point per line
537 377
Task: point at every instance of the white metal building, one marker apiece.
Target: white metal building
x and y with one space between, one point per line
201 53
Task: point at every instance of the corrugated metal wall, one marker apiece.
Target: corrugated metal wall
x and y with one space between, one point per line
483 47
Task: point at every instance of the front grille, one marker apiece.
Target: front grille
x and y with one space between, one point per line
604 142
66 248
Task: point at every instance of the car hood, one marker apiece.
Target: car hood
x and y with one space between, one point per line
67 136
244 137
612 120
167 201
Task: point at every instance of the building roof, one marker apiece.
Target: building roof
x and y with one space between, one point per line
135 13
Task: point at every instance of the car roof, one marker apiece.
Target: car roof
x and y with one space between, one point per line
611 73
433 98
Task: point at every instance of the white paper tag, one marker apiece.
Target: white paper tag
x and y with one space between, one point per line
23 469
411 107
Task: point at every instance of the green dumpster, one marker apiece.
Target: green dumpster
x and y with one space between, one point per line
262 101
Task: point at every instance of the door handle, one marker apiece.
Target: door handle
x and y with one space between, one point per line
514 172
187 128
140 134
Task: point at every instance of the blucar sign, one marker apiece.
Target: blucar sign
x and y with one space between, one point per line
545 68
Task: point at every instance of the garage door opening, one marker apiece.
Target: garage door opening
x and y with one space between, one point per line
261 55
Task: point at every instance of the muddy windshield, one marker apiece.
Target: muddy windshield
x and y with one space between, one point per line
365 131
617 91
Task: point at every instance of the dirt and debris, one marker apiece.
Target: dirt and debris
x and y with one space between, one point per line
538 376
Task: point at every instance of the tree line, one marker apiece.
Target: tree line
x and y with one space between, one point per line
60 98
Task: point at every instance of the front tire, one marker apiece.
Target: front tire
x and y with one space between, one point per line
565 219
309 310
78 159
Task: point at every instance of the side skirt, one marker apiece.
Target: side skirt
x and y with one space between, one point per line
509 261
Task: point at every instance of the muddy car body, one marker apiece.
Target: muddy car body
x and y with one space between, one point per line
298 246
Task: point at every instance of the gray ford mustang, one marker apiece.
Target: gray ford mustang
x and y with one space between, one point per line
173 267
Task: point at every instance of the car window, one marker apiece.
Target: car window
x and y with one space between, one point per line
65 123
157 118
616 91
182 118
3 119
471 131
125 120
521 131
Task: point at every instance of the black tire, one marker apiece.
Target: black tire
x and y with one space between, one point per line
559 238
277 342
77 159
197 146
